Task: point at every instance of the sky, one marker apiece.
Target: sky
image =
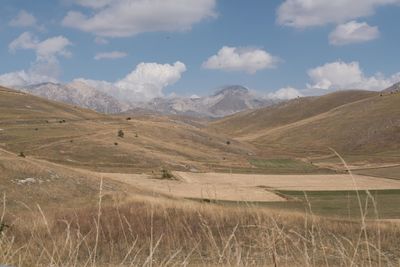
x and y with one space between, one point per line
152 48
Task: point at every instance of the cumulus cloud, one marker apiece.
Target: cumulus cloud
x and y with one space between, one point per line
145 82
249 60
25 41
23 78
306 13
340 75
46 66
148 79
47 49
110 55
23 19
285 94
123 18
353 32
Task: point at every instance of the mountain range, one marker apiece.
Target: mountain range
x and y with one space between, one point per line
226 101
78 94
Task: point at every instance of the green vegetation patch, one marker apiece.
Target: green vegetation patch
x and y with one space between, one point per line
286 166
387 172
333 204
343 204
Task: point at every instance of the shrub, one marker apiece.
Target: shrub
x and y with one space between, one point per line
166 174
3 227
121 134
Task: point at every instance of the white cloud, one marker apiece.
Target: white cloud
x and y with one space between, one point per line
340 75
100 41
23 19
25 41
123 18
26 19
46 66
47 49
353 32
285 93
110 55
23 78
306 13
145 82
249 60
148 79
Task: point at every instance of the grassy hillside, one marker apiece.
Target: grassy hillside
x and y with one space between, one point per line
352 122
242 124
82 138
26 182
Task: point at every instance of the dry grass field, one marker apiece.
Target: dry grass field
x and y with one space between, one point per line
161 232
178 192
316 182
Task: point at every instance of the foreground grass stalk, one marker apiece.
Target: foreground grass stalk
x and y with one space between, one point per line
98 222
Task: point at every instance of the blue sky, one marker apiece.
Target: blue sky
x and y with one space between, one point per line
291 46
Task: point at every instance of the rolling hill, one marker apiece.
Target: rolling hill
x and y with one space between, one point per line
351 122
82 138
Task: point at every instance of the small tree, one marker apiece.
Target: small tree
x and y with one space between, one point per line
21 154
121 134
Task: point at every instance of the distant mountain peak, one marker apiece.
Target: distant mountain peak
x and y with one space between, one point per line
232 89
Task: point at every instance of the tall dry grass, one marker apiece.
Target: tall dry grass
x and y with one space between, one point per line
155 231
160 232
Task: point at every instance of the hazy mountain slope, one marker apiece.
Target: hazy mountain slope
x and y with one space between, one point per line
76 93
227 101
287 112
395 88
